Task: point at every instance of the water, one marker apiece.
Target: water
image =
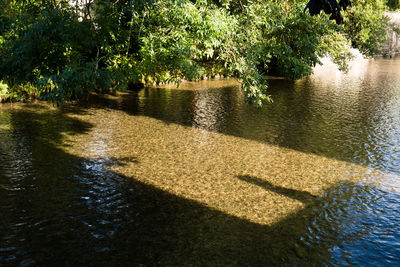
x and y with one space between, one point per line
194 176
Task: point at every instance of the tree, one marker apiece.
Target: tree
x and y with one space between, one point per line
67 49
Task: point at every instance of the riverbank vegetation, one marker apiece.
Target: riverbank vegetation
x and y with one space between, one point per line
62 50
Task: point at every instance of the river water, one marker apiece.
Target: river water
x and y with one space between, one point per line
195 176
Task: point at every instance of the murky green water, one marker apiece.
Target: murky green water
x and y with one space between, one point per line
194 176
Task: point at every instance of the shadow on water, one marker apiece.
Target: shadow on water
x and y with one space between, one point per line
299 195
61 210
342 124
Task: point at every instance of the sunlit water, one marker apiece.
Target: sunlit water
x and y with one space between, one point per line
194 176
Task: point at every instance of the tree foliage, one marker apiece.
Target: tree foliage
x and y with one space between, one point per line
369 26
67 49
393 4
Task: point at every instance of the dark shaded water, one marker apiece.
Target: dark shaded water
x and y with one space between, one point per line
156 177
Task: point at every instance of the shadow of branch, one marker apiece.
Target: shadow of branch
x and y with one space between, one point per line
299 195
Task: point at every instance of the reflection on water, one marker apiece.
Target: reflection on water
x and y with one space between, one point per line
194 176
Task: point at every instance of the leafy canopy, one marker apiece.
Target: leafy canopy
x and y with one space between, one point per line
67 49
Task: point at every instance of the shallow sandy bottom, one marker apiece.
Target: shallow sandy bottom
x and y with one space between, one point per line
255 181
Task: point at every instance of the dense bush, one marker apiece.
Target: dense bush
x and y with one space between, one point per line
67 49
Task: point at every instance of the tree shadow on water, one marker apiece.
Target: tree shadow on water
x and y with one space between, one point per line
63 210
176 231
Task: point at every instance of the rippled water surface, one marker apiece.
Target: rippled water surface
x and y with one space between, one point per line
194 176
